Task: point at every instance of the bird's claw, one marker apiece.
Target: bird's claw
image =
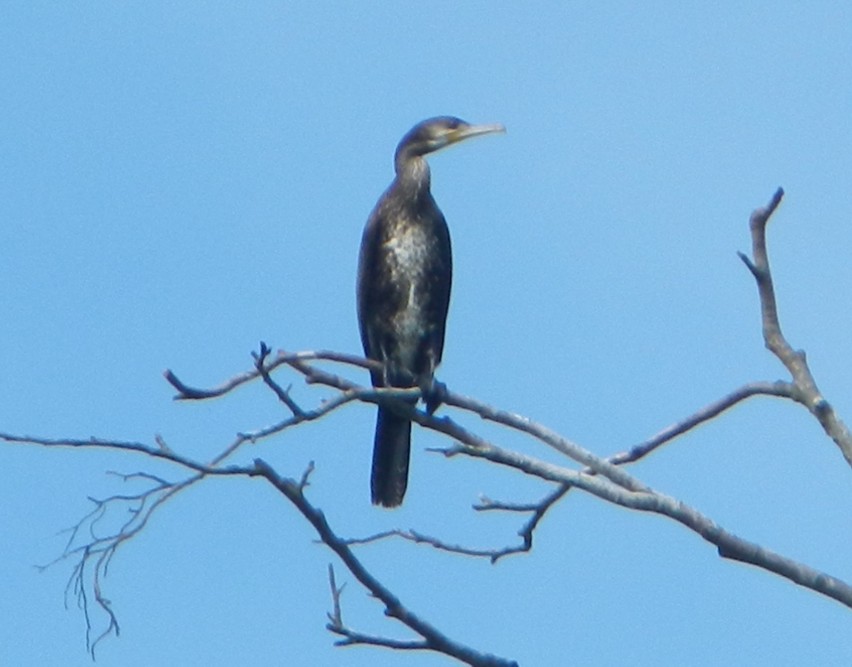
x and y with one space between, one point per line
434 395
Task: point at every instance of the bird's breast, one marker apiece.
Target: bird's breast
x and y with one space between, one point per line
410 260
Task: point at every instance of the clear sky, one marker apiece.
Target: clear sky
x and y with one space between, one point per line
179 181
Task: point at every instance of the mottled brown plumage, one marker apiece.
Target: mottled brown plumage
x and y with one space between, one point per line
404 278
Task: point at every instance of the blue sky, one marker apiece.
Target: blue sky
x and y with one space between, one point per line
181 181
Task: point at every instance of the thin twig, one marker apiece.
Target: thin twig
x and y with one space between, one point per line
188 393
282 394
779 388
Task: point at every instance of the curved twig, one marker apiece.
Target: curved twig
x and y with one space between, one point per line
780 389
188 393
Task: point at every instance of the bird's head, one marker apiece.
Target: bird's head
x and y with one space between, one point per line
434 134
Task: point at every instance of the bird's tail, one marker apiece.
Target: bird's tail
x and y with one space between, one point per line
391 450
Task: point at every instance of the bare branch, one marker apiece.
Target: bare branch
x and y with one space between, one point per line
187 393
600 477
351 637
616 485
729 545
794 361
138 447
95 554
420 538
97 551
385 396
538 510
282 394
433 639
93 542
779 388
336 617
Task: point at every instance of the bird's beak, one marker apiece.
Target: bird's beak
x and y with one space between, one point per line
468 131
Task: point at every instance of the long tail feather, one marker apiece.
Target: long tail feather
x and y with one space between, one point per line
391 451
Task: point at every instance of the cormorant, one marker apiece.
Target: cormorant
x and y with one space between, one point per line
404 277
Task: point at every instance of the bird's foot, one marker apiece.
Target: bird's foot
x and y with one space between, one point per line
434 395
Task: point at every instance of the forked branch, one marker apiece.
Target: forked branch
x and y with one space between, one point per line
602 477
805 389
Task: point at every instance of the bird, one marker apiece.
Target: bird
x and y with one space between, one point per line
403 293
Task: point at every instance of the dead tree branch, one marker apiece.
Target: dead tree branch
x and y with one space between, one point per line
728 545
805 388
433 639
604 478
617 485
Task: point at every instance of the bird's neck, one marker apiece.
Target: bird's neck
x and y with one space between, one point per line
413 176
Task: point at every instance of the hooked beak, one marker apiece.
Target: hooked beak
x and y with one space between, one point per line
468 131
